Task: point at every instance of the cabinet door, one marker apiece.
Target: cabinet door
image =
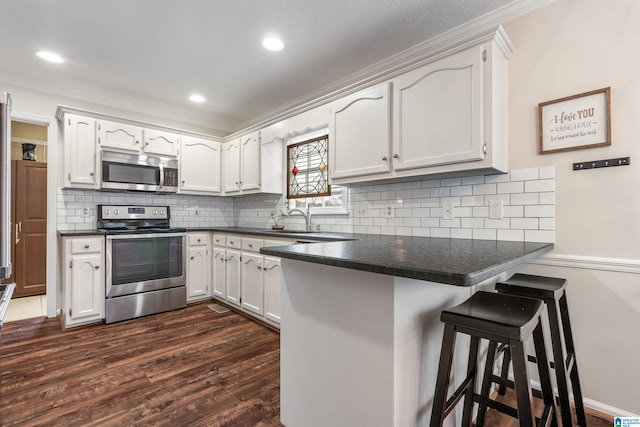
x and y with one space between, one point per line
198 268
162 143
219 274
119 136
437 112
250 162
80 152
272 277
199 166
85 295
232 273
252 287
231 166
360 133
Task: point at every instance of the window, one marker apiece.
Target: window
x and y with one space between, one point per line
308 168
308 176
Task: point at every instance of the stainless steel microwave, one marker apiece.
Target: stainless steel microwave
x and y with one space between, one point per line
138 172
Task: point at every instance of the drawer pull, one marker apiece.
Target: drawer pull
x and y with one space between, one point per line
97 267
86 246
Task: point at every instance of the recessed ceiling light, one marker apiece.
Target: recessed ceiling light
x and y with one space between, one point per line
273 44
49 56
196 98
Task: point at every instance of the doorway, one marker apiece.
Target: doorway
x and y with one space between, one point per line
29 218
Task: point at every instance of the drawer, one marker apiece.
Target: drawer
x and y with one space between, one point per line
198 239
220 240
85 246
250 244
234 242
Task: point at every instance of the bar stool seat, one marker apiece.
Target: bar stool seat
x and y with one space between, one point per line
498 318
551 290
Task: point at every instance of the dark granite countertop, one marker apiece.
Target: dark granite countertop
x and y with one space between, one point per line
457 262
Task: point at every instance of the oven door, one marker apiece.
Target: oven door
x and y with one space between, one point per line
139 263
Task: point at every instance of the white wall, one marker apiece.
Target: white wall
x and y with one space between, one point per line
566 48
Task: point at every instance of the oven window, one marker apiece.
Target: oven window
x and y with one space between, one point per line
130 174
140 260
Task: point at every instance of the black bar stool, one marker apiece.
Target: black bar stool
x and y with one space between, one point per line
498 318
551 290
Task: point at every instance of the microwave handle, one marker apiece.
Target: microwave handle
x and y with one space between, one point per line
161 166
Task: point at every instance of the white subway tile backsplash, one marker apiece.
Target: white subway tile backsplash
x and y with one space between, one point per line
472 180
525 174
511 187
540 211
461 233
483 189
540 185
528 197
525 199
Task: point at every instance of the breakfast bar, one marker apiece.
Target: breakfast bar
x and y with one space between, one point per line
360 328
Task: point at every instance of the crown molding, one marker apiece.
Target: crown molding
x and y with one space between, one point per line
479 30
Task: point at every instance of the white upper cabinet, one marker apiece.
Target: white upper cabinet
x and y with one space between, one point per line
200 166
250 166
360 134
135 139
437 112
159 142
448 118
250 162
119 136
81 162
231 167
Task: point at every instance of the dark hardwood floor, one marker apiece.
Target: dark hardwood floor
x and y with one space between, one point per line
191 367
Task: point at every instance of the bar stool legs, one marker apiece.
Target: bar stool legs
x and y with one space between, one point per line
497 318
552 291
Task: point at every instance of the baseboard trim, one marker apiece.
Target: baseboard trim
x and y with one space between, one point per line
618 265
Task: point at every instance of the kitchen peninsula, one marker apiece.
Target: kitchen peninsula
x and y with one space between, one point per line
360 329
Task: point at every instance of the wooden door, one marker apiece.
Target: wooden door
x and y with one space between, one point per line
29 200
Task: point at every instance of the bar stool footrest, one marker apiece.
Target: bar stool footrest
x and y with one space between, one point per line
457 395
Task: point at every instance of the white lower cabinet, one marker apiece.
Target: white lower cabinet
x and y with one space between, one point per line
84 280
244 278
198 266
272 271
252 286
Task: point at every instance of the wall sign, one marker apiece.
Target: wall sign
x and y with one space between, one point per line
574 122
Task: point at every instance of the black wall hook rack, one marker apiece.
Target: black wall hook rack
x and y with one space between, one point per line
620 161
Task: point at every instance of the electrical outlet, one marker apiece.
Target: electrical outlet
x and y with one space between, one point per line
257 212
447 210
86 212
495 209
389 212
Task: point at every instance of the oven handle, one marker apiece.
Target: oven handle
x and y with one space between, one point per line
144 236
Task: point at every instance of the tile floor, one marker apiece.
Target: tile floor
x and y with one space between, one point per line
26 308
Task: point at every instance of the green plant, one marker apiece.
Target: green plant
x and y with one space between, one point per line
276 213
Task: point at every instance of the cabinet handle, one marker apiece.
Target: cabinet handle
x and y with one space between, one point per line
192 258
395 156
231 242
251 245
259 267
97 267
146 143
199 240
91 173
86 246
384 158
137 142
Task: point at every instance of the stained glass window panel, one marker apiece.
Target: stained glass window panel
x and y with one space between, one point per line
307 168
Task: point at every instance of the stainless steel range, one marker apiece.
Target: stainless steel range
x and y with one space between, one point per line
146 261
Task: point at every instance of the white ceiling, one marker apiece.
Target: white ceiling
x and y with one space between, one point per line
149 55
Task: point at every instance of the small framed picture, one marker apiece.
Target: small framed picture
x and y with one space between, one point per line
574 122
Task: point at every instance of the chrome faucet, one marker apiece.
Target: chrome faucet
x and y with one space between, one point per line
306 215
